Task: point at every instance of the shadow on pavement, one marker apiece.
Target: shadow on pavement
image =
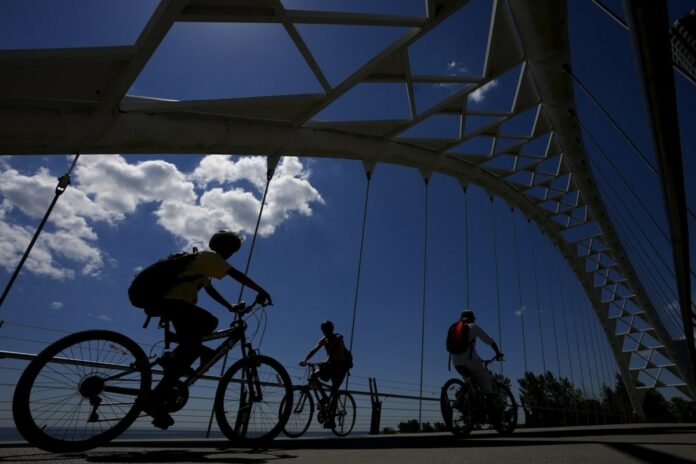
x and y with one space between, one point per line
174 455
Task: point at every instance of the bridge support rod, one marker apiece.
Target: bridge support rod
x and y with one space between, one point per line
648 25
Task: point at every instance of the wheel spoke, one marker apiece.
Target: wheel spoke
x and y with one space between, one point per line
66 406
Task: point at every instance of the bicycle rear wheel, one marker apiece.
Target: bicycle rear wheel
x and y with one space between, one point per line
80 391
345 414
301 413
455 411
253 400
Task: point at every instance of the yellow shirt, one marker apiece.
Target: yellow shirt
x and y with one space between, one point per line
205 265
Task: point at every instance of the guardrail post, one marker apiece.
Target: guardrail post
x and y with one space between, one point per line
376 407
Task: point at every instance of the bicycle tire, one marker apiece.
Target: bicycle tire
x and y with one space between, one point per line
51 406
458 420
344 418
508 422
263 418
301 413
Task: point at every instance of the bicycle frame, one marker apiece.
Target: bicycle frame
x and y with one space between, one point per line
234 334
319 393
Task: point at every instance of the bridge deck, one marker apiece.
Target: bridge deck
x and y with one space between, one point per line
646 443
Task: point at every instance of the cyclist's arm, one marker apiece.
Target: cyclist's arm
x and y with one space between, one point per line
313 351
215 295
247 282
485 338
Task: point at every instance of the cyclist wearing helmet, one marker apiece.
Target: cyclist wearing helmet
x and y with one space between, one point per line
334 368
469 364
192 322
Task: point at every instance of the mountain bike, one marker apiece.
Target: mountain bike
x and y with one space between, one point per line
82 391
463 406
303 408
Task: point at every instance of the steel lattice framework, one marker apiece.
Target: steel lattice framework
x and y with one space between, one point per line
74 101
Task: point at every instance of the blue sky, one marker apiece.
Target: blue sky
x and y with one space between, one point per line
307 257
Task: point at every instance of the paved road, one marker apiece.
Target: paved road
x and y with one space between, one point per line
658 444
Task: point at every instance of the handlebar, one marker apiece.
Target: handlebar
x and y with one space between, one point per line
241 308
494 358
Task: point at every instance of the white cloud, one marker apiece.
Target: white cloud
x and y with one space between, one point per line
456 66
479 94
56 305
101 317
225 206
222 192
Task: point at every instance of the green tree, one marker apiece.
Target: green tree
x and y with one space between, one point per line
548 401
683 410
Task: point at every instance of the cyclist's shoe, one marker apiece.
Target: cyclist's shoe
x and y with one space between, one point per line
329 424
155 408
163 422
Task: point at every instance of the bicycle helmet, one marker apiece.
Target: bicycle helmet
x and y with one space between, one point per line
327 327
225 242
468 315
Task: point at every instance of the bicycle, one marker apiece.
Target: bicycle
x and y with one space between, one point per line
303 409
82 391
463 406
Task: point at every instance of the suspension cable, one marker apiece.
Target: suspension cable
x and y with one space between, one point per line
635 221
269 176
611 120
581 323
466 244
586 335
519 288
648 267
610 202
538 300
360 257
497 283
425 269
564 312
565 288
622 178
63 182
596 347
553 310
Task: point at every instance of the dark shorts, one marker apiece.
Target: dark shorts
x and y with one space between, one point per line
335 373
191 324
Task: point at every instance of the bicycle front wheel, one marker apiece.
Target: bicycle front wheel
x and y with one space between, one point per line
253 400
301 412
345 414
508 411
80 391
455 412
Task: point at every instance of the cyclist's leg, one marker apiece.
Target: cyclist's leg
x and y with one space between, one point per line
483 378
337 374
191 324
464 371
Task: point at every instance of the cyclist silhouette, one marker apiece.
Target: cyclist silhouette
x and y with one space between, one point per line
192 322
334 368
469 364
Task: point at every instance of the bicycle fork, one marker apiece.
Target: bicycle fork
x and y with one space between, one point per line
251 393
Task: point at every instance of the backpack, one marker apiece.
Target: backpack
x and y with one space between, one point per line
458 337
152 283
348 356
